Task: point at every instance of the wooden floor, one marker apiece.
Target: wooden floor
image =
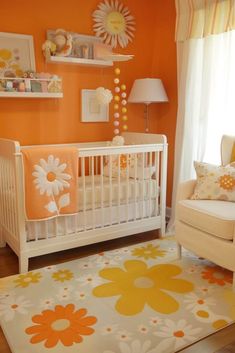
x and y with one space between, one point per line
9 266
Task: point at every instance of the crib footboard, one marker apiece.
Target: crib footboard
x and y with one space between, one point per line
12 220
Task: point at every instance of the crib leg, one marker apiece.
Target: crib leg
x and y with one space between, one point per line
162 230
233 281
2 240
23 264
178 250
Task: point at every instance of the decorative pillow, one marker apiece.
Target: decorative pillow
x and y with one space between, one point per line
128 160
232 159
214 182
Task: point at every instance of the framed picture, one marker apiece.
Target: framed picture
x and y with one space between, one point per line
16 54
92 110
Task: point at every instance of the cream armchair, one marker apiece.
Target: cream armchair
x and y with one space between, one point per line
207 227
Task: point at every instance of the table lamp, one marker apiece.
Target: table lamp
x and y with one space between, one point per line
147 91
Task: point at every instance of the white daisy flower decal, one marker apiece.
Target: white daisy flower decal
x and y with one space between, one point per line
193 269
50 268
62 295
196 302
155 321
205 290
143 329
85 265
123 335
80 295
109 329
114 23
11 305
89 279
46 303
50 177
176 334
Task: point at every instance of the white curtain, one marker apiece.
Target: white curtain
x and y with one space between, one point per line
206 103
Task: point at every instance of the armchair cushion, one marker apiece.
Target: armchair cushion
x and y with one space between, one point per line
214 182
213 217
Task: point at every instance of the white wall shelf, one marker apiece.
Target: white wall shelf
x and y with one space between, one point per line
14 94
79 61
47 92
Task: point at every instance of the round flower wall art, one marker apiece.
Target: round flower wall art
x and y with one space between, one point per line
114 23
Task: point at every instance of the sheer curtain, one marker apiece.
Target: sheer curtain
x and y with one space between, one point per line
206 103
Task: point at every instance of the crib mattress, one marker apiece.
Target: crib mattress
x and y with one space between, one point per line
127 190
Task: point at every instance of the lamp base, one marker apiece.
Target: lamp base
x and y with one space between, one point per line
146 118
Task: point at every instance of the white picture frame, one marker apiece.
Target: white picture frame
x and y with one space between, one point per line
91 110
16 54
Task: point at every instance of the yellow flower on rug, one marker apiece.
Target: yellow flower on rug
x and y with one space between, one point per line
26 279
148 252
64 324
138 285
62 275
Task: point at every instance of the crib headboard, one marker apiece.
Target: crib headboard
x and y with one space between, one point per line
136 138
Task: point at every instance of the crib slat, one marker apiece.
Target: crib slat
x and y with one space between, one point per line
150 182
135 184
119 189
83 191
157 163
110 188
93 192
127 187
142 182
102 189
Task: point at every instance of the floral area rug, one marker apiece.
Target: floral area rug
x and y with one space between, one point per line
136 299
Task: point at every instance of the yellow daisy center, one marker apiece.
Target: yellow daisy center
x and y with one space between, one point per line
143 282
200 301
179 333
51 176
14 306
60 325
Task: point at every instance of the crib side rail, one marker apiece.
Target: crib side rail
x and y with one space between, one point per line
11 195
134 177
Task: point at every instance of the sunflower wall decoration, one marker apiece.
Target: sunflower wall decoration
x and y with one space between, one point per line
114 23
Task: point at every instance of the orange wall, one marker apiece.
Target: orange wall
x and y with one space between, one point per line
33 121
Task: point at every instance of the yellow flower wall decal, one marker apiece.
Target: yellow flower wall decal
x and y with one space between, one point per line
148 252
62 275
138 285
26 279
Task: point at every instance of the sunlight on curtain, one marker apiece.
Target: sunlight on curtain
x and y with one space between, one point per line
206 103
221 108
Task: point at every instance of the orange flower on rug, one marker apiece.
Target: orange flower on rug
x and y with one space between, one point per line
217 275
64 324
140 285
148 252
25 280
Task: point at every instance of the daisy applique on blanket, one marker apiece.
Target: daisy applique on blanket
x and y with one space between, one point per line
50 181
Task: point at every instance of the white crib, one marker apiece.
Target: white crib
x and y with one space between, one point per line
109 207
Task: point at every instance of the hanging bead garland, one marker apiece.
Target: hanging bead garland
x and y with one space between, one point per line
119 99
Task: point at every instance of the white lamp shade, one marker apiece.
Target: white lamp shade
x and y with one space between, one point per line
147 90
